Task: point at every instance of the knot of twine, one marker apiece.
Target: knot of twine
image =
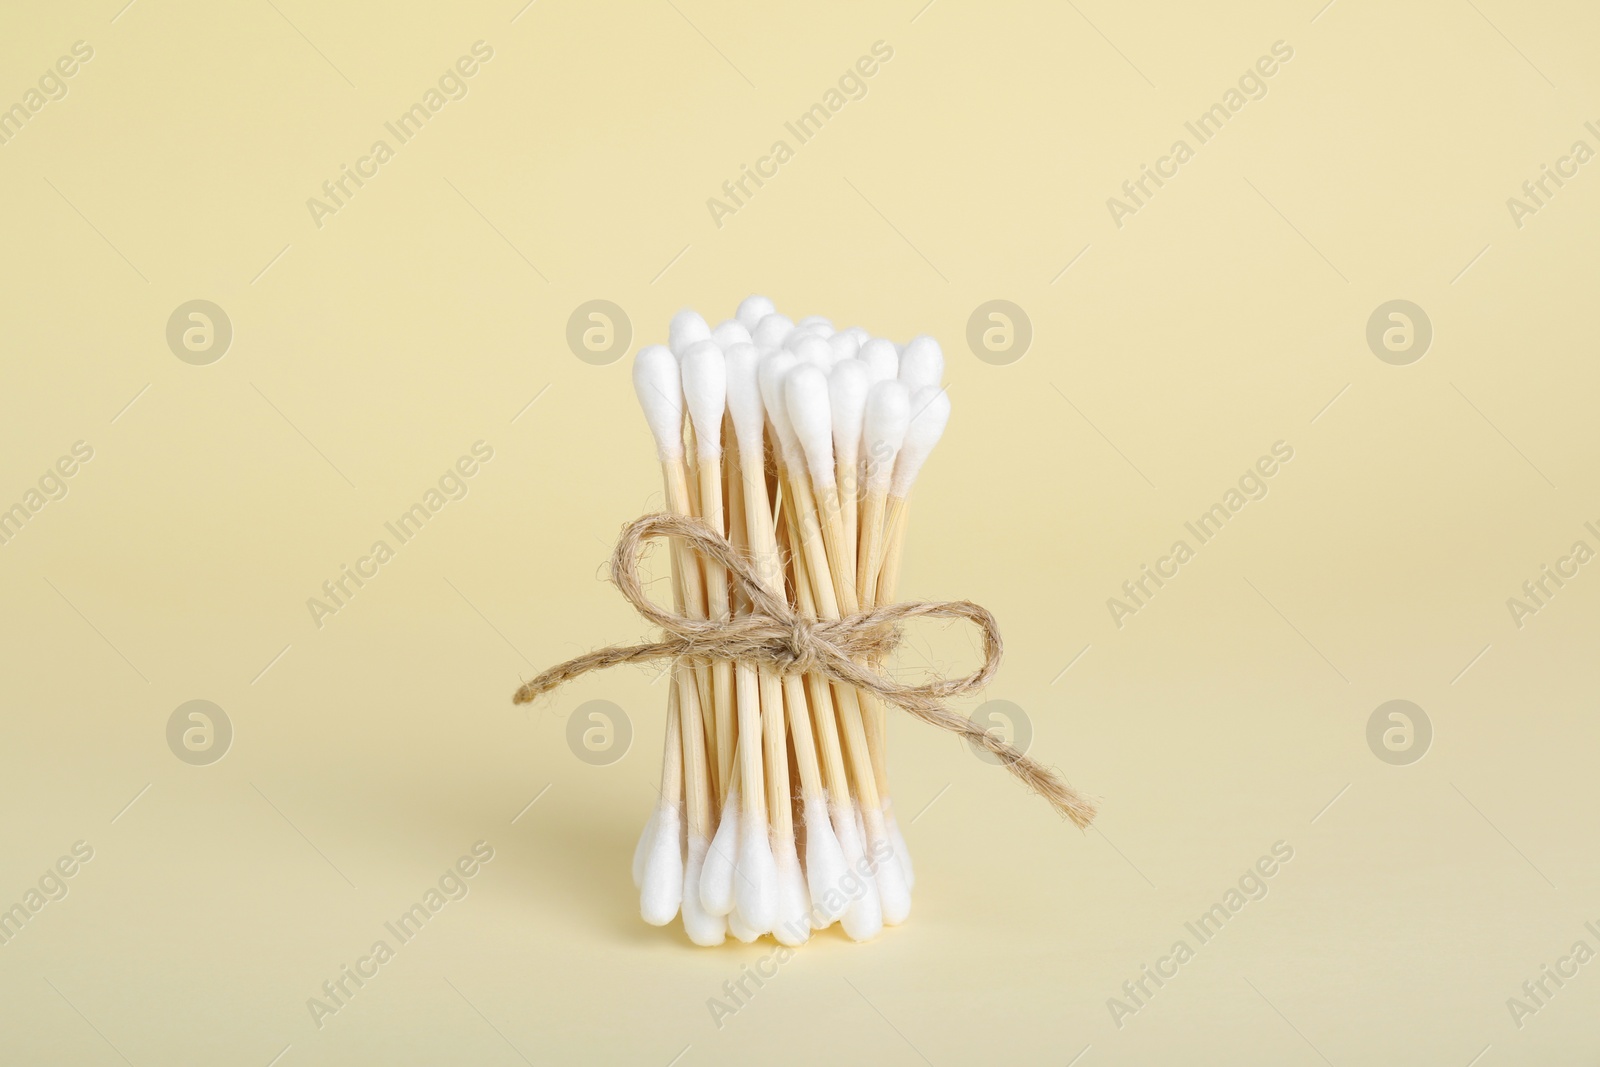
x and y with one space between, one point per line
776 635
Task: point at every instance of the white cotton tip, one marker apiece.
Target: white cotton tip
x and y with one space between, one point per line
848 383
922 363
738 929
861 334
774 368
752 309
705 394
884 430
825 866
930 414
818 324
661 888
729 333
863 911
801 334
641 851
893 893
660 393
702 927
881 359
687 328
845 345
793 923
897 839
755 886
814 350
805 390
743 367
770 331
716 877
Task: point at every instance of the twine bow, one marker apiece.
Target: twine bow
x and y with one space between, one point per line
777 635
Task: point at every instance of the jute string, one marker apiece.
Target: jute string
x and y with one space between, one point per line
777 635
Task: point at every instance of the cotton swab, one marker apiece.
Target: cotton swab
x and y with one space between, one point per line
755 867
810 348
752 309
660 393
746 408
884 423
803 443
717 875
845 344
655 380
658 385
862 917
922 363
770 331
792 924
705 389
731 332
804 333
688 328
881 358
930 414
806 394
887 416
817 504
848 383
861 912
661 879
641 851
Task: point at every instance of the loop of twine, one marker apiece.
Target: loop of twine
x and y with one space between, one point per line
777 635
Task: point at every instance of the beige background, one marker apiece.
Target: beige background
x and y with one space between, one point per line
368 354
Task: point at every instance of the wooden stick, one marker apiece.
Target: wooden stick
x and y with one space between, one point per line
868 582
698 790
697 787
709 468
798 488
752 794
820 700
764 550
888 580
791 688
675 478
672 755
738 527
848 478
727 722
872 550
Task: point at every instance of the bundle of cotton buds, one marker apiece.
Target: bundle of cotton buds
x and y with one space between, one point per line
800 445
